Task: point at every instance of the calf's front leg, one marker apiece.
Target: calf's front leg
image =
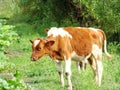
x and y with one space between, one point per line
60 71
68 73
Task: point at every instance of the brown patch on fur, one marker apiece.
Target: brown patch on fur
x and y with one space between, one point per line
56 55
99 58
96 35
102 34
81 40
61 45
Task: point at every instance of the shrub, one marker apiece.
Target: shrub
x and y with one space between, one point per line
7 35
16 83
11 78
114 47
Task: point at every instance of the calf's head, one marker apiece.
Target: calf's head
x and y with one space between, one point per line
40 47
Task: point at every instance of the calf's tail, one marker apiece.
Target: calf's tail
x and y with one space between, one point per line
105 49
105 44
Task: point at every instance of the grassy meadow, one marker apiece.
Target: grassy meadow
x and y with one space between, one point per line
43 75
23 20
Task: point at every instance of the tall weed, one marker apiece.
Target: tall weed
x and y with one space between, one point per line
114 47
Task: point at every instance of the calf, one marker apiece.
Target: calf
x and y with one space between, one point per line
72 43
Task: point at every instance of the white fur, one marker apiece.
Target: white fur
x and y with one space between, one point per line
60 69
68 72
59 66
78 58
68 66
94 29
100 39
79 27
100 70
96 50
58 31
36 42
75 57
105 49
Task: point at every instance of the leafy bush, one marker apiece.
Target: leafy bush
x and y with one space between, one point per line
6 67
12 78
107 15
7 36
114 47
16 83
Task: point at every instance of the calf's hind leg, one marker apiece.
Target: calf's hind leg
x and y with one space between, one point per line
100 70
97 69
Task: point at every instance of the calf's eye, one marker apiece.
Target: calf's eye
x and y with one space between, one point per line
39 49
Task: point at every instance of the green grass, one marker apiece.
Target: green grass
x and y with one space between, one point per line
43 74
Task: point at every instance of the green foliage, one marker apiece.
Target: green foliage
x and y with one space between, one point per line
16 83
14 80
103 14
8 8
106 13
2 55
46 13
6 67
7 35
114 47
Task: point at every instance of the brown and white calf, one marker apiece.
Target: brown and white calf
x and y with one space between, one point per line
72 43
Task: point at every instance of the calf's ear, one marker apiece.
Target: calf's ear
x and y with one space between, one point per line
31 41
49 43
46 30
